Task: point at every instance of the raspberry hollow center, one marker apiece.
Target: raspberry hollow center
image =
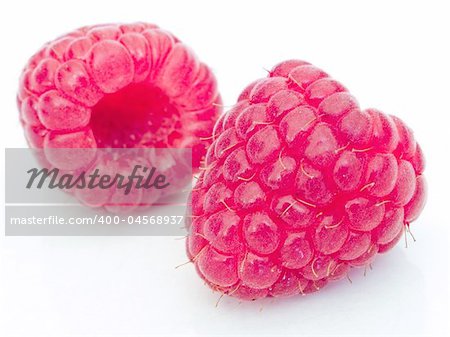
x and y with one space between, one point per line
138 115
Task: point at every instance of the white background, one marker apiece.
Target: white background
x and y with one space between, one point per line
391 55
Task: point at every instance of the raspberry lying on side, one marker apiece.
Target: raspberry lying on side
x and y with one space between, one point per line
300 185
117 86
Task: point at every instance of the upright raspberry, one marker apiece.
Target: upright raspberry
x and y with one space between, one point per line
300 185
117 86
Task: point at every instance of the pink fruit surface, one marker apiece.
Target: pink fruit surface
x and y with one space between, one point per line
300 184
118 86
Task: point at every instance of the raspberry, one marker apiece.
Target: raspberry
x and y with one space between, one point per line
118 86
300 185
